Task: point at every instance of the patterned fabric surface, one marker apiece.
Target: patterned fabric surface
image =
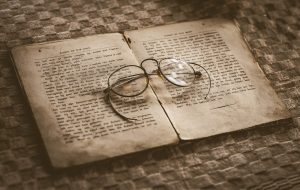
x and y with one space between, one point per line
263 157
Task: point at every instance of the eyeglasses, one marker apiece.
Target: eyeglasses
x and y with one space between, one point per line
133 80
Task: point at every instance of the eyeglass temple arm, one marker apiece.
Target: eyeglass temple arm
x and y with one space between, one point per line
108 98
198 73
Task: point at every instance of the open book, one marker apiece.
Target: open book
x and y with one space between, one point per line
77 125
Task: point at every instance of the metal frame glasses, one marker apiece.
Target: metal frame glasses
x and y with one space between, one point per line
133 80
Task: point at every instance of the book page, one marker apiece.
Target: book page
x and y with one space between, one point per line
64 83
240 95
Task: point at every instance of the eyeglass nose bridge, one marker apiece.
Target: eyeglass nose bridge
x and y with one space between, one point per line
150 59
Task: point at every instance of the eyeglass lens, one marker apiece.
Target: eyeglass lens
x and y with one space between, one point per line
177 72
128 81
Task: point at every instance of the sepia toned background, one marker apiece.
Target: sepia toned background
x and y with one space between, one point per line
263 157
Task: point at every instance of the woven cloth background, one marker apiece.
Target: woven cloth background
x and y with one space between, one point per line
265 157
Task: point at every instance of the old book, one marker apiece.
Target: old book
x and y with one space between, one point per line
64 83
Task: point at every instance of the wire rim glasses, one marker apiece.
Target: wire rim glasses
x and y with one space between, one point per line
133 80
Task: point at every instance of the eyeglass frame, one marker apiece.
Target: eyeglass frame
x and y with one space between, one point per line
146 75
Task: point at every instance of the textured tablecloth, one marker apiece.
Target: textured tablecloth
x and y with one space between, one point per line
263 157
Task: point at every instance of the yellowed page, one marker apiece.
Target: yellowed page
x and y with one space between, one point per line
64 82
240 96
